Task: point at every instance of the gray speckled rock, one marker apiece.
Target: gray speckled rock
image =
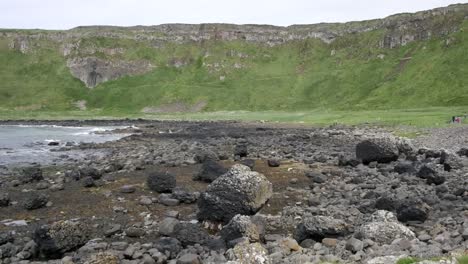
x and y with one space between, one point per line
383 228
239 191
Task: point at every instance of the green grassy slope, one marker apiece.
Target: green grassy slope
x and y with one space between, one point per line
300 75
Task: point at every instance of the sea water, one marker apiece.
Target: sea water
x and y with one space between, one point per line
28 144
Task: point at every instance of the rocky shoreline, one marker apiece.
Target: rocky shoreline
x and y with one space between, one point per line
230 192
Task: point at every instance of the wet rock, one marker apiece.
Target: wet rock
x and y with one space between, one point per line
210 171
190 234
319 227
31 174
4 199
168 245
161 182
273 163
239 191
240 226
33 200
383 228
382 150
53 143
60 237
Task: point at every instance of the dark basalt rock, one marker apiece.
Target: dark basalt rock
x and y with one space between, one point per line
161 182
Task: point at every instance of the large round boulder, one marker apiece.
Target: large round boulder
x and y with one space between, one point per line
382 150
383 228
239 191
60 237
161 182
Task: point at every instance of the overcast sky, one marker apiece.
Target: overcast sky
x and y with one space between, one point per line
65 14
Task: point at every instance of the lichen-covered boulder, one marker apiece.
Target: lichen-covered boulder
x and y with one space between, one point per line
60 237
239 191
383 228
247 253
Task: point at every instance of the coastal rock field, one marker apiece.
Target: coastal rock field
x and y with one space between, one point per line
237 192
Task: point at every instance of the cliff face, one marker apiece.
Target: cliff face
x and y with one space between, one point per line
99 54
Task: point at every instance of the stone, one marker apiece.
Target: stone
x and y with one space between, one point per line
405 167
450 161
383 228
90 172
166 227
239 191
135 232
88 182
382 150
241 150
249 254
202 155
273 163
31 174
161 182
329 242
189 259
190 234
168 244
6 237
144 200
240 226
114 229
319 227
4 199
127 189
431 176
249 163
410 210
60 237
354 245
185 196
167 200
210 171
33 200
290 243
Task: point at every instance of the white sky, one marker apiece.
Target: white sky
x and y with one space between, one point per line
65 14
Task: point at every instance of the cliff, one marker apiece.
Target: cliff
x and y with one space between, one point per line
212 64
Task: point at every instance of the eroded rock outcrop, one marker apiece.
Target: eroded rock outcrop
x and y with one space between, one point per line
93 71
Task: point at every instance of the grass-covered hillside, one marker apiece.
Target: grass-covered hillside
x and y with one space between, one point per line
352 72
